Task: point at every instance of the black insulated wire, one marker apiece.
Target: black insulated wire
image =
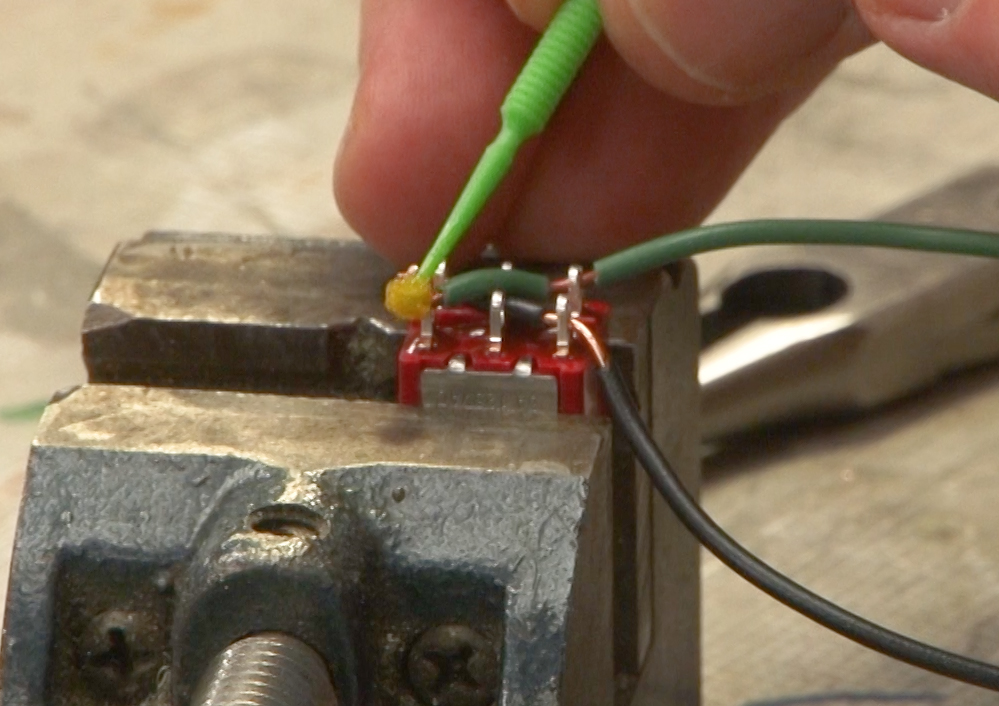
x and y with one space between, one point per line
524 312
764 577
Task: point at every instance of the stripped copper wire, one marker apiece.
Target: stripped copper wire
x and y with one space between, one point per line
586 279
594 344
597 348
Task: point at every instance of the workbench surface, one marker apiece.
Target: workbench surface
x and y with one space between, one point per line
117 117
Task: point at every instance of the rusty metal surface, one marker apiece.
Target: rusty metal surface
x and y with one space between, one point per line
295 432
283 315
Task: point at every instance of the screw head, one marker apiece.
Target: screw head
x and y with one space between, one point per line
118 653
453 665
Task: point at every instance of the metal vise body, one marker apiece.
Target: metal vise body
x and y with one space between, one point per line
235 483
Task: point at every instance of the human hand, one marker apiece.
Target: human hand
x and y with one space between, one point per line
652 135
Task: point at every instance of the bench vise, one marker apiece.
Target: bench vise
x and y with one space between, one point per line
235 510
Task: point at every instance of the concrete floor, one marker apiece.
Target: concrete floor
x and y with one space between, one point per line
117 117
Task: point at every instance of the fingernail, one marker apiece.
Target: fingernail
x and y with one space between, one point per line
649 22
926 10
724 43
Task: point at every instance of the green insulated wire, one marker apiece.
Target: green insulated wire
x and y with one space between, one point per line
479 284
530 103
676 246
30 412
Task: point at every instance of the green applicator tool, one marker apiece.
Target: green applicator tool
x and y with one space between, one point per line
526 109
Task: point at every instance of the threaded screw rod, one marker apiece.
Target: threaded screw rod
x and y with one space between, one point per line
269 669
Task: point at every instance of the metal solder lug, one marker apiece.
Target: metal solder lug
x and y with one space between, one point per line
497 319
426 340
563 333
575 292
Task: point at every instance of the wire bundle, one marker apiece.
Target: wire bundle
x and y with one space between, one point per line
473 286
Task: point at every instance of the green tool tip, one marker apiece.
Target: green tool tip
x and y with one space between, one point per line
526 110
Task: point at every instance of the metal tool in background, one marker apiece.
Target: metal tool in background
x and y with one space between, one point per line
800 331
232 470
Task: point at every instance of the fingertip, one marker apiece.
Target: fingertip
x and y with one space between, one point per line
375 199
956 38
343 179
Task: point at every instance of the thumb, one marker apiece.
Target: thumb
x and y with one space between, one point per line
732 51
956 38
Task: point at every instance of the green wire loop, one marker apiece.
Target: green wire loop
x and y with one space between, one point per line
30 412
477 285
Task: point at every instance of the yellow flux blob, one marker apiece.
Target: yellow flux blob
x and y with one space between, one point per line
409 296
